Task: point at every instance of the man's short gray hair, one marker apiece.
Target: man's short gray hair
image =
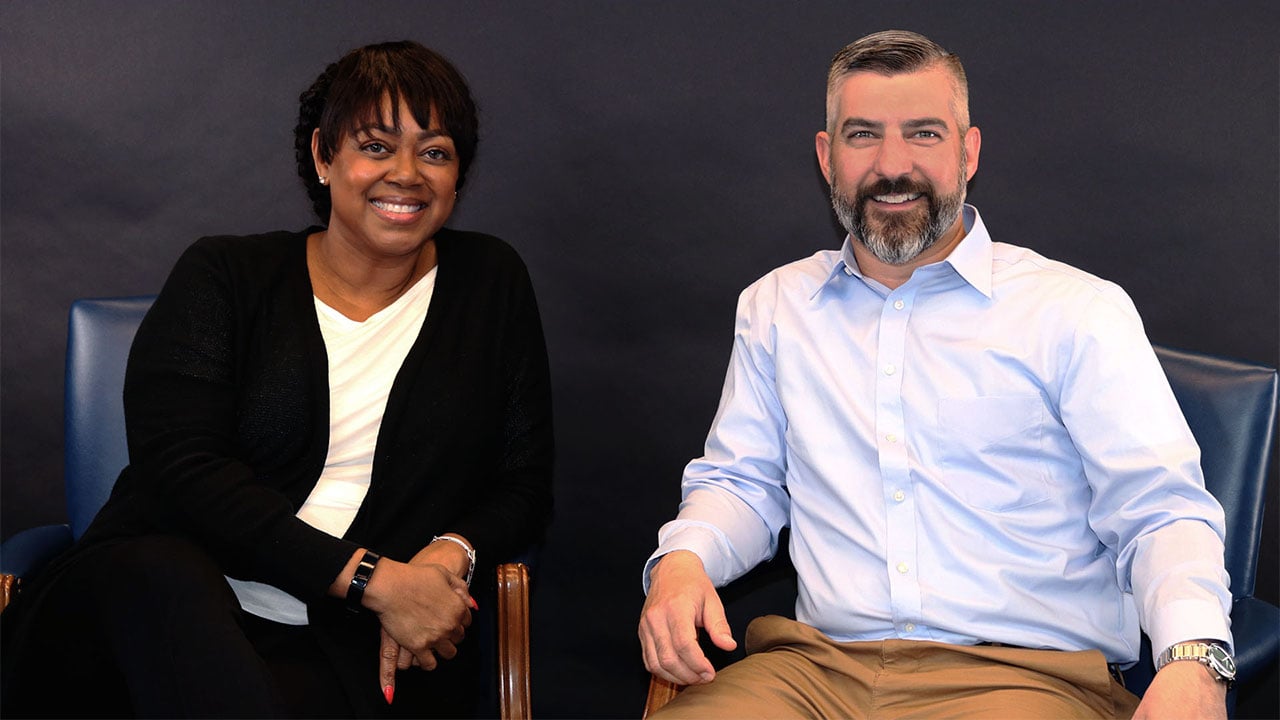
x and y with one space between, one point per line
894 52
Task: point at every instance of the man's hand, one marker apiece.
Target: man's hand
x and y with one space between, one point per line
681 600
1184 689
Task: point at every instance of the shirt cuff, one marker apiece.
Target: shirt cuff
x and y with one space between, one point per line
695 537
1186 620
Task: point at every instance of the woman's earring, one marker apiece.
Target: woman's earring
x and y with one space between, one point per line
324 180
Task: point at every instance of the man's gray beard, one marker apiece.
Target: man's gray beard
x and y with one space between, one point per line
901 237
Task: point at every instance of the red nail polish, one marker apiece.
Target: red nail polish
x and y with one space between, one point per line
389 692
472 602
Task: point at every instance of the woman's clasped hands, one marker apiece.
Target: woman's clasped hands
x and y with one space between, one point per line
424 607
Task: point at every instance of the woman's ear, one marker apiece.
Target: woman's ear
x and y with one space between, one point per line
322 167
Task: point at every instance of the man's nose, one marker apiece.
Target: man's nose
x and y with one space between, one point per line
893 159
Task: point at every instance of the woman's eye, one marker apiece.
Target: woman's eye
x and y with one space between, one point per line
437 154
375 148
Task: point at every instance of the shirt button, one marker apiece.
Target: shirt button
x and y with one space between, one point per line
891 438
902 567
890 369
899 496
909 627
898 305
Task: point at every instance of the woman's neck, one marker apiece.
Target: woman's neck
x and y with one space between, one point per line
358 286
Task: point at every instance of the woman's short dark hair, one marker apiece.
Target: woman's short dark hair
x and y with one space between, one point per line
350 91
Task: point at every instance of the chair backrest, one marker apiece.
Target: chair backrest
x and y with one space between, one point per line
1231 408
99 334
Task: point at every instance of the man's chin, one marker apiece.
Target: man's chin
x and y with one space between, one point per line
899 232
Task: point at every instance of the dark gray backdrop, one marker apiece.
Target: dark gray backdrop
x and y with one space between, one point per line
648 160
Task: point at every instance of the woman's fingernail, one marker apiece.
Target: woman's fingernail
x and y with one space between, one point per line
389 692
472 602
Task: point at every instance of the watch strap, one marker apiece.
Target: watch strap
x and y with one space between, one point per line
1212 655
360 580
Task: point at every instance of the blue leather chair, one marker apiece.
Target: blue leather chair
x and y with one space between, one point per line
100 333
1231 408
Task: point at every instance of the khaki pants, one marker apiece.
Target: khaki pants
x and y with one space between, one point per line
794 671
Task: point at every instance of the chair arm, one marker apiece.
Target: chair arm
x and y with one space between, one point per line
8 587
1255 626
513 641
661 692
30 549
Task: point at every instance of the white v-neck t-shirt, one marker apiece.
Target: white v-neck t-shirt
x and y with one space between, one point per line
364 359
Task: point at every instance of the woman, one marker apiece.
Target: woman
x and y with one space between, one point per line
328 431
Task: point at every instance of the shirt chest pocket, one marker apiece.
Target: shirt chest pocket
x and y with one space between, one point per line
990 452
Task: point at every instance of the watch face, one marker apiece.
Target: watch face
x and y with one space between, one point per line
1221 661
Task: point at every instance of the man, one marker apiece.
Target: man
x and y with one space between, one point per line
989 483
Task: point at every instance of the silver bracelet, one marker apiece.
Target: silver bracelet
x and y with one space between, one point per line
471 554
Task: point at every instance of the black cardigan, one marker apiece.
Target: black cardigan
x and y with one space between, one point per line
227 410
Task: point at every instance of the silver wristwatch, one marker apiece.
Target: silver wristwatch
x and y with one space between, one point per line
1211 654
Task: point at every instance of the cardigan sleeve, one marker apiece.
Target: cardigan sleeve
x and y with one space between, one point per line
188 412
514 513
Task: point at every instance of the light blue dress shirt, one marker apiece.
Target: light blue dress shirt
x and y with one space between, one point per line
990 452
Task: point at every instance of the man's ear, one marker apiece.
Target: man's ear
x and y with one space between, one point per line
972 147
822 146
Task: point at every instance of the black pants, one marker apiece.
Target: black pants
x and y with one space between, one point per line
149 627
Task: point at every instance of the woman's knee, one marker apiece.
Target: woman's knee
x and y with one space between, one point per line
157 574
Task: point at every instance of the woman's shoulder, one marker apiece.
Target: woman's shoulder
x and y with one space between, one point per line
480 249
259 246
263 254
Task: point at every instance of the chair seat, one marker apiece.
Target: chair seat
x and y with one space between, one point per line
30 549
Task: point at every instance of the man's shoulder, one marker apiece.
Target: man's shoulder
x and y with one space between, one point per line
1013 266
799 278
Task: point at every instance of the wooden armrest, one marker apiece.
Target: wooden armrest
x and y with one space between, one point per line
661 692
8 588
513 641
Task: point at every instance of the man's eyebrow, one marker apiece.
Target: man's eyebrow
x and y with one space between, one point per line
857 122
928 122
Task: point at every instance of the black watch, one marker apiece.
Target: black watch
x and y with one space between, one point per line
360 580
1211 654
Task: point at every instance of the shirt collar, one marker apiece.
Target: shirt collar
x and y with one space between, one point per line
971 259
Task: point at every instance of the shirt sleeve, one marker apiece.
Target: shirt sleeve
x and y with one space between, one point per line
1150 505
734 497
